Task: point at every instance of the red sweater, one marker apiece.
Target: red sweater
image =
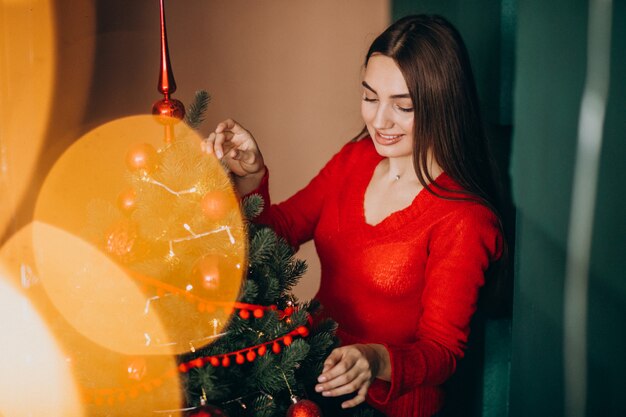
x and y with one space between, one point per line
410 283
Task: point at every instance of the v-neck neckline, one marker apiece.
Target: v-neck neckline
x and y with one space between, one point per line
399 218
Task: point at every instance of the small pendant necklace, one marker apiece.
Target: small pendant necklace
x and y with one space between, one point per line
397 177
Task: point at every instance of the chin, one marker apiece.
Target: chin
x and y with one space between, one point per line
401 149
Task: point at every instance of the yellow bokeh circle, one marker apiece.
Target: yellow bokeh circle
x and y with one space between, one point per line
139 241
48 359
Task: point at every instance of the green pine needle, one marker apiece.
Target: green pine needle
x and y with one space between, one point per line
195 114
261 246
263 406
268 380
252 206
295 354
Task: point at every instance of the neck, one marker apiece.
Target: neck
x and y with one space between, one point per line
402 168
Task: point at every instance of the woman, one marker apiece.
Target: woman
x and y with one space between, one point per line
404 220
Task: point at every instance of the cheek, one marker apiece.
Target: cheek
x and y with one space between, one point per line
407 125
368 112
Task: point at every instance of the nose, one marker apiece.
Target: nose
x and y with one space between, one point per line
382 118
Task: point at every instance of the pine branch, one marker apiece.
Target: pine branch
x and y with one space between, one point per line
261 246
195 113
294 354
264 406
270 324
268 380
252 206
250 291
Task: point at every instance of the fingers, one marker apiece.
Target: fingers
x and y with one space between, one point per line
236 147
359 398
222 143
230 125
331 360
228 135
345 370
346 384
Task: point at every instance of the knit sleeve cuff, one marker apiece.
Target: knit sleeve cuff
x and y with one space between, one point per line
380 392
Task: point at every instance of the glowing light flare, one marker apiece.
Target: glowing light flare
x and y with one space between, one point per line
83 374
95 294
32 364
99 286
27 60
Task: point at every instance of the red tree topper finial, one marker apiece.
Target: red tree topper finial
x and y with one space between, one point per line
168 110
167 84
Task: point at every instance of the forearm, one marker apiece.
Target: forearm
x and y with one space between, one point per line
247 184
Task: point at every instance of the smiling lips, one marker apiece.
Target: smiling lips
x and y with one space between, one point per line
387 139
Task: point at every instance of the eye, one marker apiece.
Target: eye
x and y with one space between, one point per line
370 99
404 109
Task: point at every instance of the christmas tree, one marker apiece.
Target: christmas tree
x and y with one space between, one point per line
179 232
270 354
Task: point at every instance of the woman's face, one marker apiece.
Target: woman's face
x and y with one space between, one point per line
387 108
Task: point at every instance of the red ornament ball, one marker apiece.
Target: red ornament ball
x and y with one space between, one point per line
207 272
304 408
168 111
142 157
216 204
207 411
119 240
127 200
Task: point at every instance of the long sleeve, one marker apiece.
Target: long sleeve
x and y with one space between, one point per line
460 250
410 282
295 218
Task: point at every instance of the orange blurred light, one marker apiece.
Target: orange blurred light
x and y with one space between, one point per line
133 280
27 69
84 377
35 378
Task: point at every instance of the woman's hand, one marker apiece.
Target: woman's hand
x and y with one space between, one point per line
352 368
234 145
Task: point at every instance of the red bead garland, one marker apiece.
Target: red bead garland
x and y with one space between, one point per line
248 354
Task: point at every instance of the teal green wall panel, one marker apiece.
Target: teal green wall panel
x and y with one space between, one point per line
551 50
549 68
607 287
537 369
550 75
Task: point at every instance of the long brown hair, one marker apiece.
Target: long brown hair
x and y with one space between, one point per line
435 64
447 122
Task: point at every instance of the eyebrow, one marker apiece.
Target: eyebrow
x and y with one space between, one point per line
366 85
